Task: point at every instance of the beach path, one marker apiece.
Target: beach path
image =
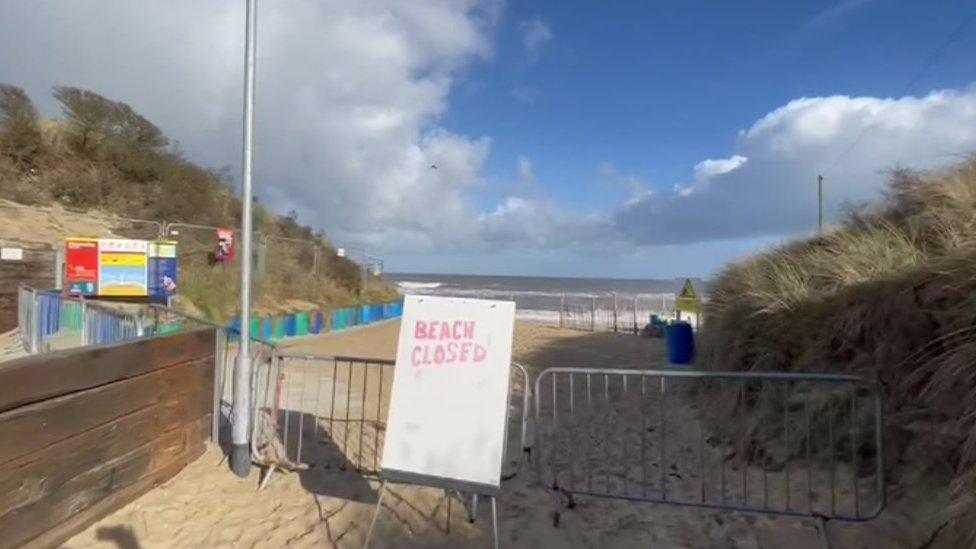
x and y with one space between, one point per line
207 506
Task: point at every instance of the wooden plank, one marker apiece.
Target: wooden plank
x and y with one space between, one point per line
96 493
31 428
60 533
34 476
41 377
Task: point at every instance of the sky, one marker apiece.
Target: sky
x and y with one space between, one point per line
550 138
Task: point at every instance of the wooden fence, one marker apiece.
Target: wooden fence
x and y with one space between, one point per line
85 431
36 268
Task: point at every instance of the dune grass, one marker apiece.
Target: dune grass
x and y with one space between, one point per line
890 295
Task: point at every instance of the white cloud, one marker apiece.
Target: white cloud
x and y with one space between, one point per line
536 33
768 186
349 97
526 171
835 12
540 223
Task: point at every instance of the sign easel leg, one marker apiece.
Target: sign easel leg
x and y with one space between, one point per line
447 526
494 520
376 513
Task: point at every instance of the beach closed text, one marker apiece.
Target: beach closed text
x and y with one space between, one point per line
445 343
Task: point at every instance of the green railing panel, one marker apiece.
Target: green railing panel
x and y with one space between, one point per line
301 324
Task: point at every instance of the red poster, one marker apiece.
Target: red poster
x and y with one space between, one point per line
225 246
81 266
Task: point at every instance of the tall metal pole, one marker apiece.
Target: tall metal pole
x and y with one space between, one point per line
819 204
241 455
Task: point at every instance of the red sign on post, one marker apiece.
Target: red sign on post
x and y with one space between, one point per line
225 246
81 266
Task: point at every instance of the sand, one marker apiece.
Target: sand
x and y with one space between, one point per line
206 506
11 345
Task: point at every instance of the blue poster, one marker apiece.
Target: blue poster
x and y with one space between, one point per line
163 269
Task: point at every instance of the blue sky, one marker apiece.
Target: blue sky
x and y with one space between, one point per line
573 138
654 87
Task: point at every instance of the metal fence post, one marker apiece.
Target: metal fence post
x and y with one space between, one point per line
219 338
34 324
636 329
593 313
84 324
614 312
59 268
562 308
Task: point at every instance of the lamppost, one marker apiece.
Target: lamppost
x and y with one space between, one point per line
240 461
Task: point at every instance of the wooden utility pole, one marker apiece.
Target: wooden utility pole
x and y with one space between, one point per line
819 204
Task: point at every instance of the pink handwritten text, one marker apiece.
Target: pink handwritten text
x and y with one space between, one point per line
459 346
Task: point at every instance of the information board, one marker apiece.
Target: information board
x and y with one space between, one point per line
81 266
449 402
163 269
123 267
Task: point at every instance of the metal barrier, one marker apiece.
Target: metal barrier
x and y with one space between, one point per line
160 320
50 321
802 445
27 318
330 412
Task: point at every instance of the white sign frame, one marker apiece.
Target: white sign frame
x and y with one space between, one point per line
11 254
450 395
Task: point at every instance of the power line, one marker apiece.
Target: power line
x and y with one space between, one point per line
916 77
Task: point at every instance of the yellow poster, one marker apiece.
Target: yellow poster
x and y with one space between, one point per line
123 267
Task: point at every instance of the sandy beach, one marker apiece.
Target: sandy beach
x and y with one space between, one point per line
206 506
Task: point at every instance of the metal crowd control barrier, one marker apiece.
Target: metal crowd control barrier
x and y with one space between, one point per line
801 445
330 412
50 321
27 318
161 320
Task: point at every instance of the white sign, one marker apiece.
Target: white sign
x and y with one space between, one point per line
449 405
122 245
12 254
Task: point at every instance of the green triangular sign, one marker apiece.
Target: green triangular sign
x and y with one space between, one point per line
688 290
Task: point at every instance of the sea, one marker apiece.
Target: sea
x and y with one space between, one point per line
600 300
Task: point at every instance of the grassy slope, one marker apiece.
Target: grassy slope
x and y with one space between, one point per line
891 295
164 186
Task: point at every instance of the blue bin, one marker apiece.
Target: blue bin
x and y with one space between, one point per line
680 343
291 326
267 329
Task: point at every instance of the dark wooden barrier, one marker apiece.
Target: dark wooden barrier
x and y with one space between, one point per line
36 269
85 431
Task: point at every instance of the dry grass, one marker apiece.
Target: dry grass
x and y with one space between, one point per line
112 176
890 295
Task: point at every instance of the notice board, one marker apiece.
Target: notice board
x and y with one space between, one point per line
449 402
81 266
123 267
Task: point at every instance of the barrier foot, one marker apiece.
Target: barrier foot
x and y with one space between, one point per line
267 477
240 460
822 530
376 513
447 525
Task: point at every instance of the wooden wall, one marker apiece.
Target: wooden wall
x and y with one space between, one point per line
85 431
37 270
